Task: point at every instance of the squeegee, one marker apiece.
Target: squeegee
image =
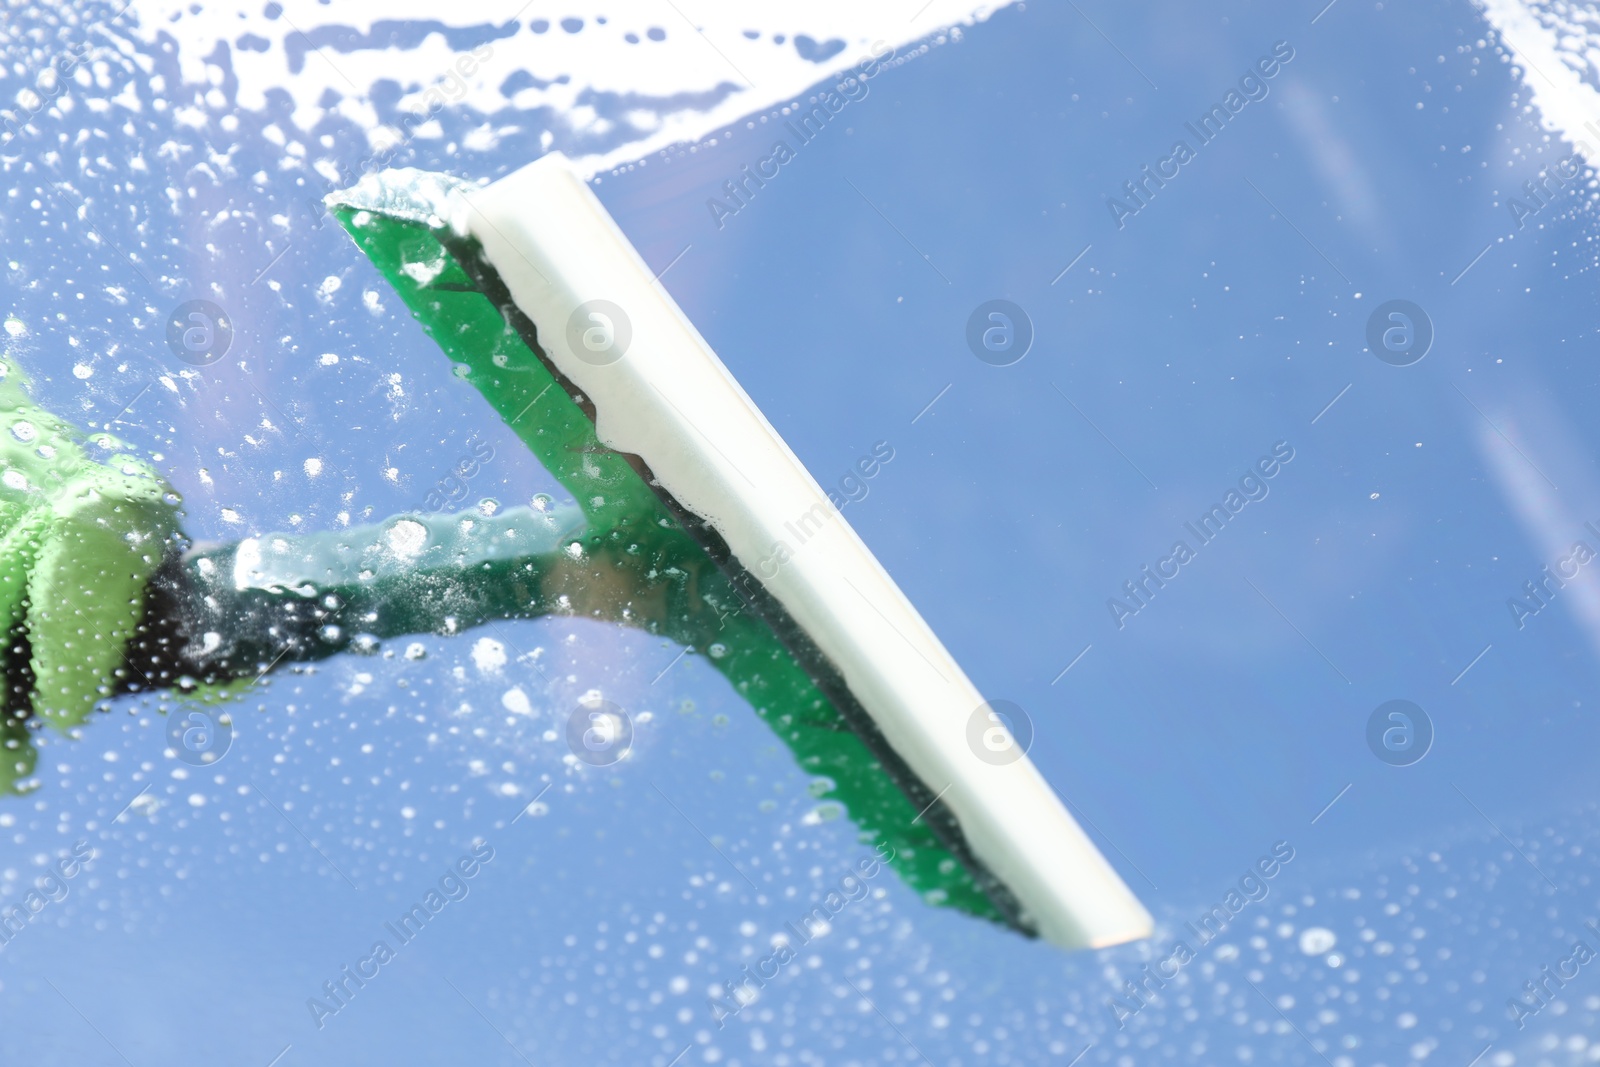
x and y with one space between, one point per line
684 486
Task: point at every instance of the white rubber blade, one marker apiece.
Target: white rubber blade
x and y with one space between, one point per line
661 393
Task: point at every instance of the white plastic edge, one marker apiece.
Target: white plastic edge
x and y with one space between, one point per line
670 400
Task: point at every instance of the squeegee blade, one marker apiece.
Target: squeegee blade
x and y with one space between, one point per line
661 394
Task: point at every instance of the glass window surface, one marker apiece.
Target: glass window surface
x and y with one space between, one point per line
1235 363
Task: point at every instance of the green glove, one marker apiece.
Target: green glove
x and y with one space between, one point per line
84 525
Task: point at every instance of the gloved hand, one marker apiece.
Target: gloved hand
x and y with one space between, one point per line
84 524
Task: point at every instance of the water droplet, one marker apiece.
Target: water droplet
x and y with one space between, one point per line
1315 940
407 537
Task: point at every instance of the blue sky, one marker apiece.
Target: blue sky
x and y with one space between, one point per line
1227 315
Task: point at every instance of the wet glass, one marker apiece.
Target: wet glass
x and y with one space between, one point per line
1223 376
